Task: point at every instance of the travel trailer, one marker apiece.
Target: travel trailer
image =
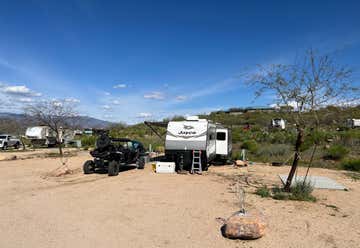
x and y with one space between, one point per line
353 123
41 136
44 136
278 123
183 138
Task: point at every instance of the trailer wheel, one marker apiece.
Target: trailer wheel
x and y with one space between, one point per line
89 167
113 169
140 163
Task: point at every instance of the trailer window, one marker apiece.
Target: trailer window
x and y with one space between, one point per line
221 136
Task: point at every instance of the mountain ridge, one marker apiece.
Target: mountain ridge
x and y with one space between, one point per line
82 121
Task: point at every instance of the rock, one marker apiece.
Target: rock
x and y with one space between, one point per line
240 163
250 225
12 157
61 172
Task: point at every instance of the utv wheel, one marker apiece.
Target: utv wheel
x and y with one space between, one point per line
16 146
113 169
140 163
4 146
89 167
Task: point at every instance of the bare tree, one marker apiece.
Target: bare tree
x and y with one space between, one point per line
58 115
305 86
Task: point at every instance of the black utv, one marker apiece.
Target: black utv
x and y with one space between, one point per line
111 153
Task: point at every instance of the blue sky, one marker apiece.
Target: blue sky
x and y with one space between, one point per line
134 60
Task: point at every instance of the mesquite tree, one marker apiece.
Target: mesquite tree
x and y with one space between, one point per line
58 115
307 85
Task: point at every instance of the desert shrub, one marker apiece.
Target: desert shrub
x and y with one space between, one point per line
349 137
236 136
278 138
236 155
274 150
351 165
263 191
160 149
301 191
281 195
336 152
250 145
353 175
88 141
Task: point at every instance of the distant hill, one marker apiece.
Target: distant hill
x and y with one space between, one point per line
81 121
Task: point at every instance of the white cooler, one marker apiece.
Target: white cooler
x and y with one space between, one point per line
165 167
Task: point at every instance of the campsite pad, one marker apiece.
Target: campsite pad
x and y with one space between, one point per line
317 182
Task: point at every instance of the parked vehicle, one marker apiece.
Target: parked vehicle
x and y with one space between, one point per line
45 136
278 123
111 153
7 141
41 136
353 123
194 134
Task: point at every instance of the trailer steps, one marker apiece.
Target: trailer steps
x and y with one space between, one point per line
196 162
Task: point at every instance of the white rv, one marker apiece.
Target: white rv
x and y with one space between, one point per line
278 123
193 134
41 135
353 123
44 136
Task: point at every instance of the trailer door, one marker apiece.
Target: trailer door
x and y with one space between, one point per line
221 142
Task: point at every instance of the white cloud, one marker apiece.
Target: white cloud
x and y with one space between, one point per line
119 86
57 103
25 99
116 102
144 115
72 100
108 116
106 107
181 98
107 94
19 90
155 95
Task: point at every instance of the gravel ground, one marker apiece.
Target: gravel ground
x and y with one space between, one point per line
139 208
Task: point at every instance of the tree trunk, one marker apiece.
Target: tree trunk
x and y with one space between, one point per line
23 143
299 141
59 144
60 149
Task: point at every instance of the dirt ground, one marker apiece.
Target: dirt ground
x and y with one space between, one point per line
32 153
139 208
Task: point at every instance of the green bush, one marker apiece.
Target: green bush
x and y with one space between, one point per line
336 152
160 149
351 165
250 145
274 150
278 137
236 155
281 195
88 141
263 191
301 191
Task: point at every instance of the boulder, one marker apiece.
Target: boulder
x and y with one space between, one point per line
240 163
248 225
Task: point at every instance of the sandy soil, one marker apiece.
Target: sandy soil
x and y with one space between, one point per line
31 153
139 208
